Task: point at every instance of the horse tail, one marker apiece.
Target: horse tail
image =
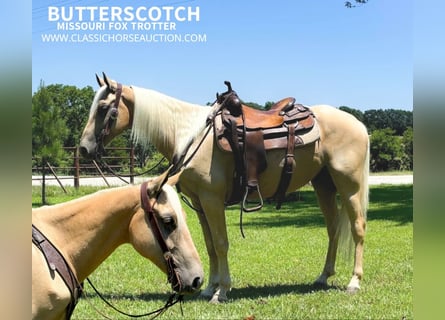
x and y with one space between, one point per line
346 244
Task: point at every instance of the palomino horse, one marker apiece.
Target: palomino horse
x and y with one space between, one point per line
87 230
337 163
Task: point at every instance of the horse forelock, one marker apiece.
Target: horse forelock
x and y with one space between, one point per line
160 118
174 201
100 94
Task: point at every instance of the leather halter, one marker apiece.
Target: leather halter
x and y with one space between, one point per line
172 274
110 117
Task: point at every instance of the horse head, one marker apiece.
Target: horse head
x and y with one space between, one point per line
169 244
110 114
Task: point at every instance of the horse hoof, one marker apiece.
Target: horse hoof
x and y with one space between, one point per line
207 293
352 290
216 299
320 285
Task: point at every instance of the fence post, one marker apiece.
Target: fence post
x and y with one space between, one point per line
43 183
76 168
131 163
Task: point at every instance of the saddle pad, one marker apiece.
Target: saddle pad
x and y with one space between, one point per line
275 138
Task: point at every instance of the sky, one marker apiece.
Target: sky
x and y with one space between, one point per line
319 52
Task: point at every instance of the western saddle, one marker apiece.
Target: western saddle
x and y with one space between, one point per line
249 132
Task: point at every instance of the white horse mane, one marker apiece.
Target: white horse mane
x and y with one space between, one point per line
158 116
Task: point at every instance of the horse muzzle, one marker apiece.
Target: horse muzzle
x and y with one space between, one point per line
179 285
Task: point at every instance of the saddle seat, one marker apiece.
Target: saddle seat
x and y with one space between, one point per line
260 119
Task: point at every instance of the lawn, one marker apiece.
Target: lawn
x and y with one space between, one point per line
274 266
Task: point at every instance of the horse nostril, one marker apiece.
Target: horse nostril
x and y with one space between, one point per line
84 152
197 283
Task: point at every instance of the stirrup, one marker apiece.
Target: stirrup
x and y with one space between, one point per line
257 207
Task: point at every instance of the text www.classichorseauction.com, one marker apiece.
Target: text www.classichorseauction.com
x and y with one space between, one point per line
122 24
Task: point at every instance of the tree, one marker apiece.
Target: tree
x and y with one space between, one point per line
74 105
386 150
48 131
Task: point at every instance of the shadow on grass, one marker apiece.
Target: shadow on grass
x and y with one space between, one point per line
128 296
253 292
387 202
394 203
249 292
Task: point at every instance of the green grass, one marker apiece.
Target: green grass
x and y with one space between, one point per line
274 267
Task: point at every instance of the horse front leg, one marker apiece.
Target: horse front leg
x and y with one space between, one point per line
213 259
219 279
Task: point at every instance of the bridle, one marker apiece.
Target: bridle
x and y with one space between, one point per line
147 205
110 118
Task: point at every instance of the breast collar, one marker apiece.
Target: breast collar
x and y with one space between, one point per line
56 262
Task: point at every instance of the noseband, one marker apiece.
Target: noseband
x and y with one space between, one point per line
110 117
172 274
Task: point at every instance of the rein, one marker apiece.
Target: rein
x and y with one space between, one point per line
121 176
172 300
172 275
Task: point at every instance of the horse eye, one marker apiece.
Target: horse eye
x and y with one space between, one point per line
169 223
103 106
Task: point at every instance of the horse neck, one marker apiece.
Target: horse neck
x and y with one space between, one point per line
168 123
89 229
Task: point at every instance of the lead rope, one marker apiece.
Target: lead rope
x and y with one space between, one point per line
173 299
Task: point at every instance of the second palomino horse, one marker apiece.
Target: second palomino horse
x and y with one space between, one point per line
71 239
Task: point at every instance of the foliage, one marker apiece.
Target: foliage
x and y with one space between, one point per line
254 105
348 4
398 120
389 150
74 105
274 266
386 150
408 147
49 129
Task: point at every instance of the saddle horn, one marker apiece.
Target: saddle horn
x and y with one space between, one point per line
229 86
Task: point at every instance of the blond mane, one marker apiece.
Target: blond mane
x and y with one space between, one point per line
161 119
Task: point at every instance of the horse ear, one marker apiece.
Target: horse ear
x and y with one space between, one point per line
155 185
173 180
100 81
107 81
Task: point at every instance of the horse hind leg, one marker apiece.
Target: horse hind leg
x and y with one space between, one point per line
356 211
326 193
353 190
